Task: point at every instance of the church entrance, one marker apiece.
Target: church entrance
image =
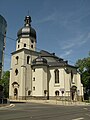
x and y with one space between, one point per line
73 93
15 86
15 93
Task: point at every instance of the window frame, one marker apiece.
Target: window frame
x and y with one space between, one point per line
34 88
32 46
29 92
33 78
57 93
56 73
16 71
24 44
17 58
28 59
71 76
18 46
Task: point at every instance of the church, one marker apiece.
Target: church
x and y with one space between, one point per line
40 75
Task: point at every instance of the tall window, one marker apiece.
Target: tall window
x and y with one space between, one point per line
32 41
56 76
17 59
31 46
33 88
19 41
18 46
71 76
33 78
24 44
29 92
16 72
57 93
28 59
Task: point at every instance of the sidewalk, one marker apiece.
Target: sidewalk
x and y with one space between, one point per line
54 102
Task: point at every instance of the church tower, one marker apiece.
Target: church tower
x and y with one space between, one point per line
26 36
21 62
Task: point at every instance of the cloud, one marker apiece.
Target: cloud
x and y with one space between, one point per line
66 53
68 46
66 19
79 41
83 39
74 17
50 17
88 36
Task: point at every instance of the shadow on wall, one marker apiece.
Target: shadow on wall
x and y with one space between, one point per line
1 92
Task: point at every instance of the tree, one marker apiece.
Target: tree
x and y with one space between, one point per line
5 83
84 69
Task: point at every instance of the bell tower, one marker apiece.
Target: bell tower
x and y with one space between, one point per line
26 36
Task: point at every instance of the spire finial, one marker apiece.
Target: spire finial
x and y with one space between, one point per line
27 21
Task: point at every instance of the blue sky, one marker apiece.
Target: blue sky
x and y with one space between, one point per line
62 26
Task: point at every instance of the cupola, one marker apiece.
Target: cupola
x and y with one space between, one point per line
27 30
39 60
26 36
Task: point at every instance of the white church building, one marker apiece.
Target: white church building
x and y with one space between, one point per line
40 75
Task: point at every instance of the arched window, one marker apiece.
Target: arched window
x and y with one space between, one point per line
32 41
33 88
56 76
33 78
18 46
57 93
16 72
29 92
19 41
24 44
31 46
15 84
28 59
17 59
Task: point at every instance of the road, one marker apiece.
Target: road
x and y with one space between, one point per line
34 111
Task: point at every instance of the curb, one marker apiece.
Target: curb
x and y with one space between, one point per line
7 106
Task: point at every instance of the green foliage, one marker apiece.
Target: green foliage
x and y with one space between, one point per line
84 68
5 83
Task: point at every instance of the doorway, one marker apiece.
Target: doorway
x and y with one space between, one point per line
15 94
73 93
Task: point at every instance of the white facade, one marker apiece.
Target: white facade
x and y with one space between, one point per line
40 75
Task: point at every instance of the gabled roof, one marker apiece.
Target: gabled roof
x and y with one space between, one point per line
49 56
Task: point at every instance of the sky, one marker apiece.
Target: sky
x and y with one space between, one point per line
62 26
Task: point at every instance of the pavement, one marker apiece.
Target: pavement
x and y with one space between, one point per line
52 102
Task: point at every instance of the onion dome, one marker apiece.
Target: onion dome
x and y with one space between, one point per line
40 60
27 30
